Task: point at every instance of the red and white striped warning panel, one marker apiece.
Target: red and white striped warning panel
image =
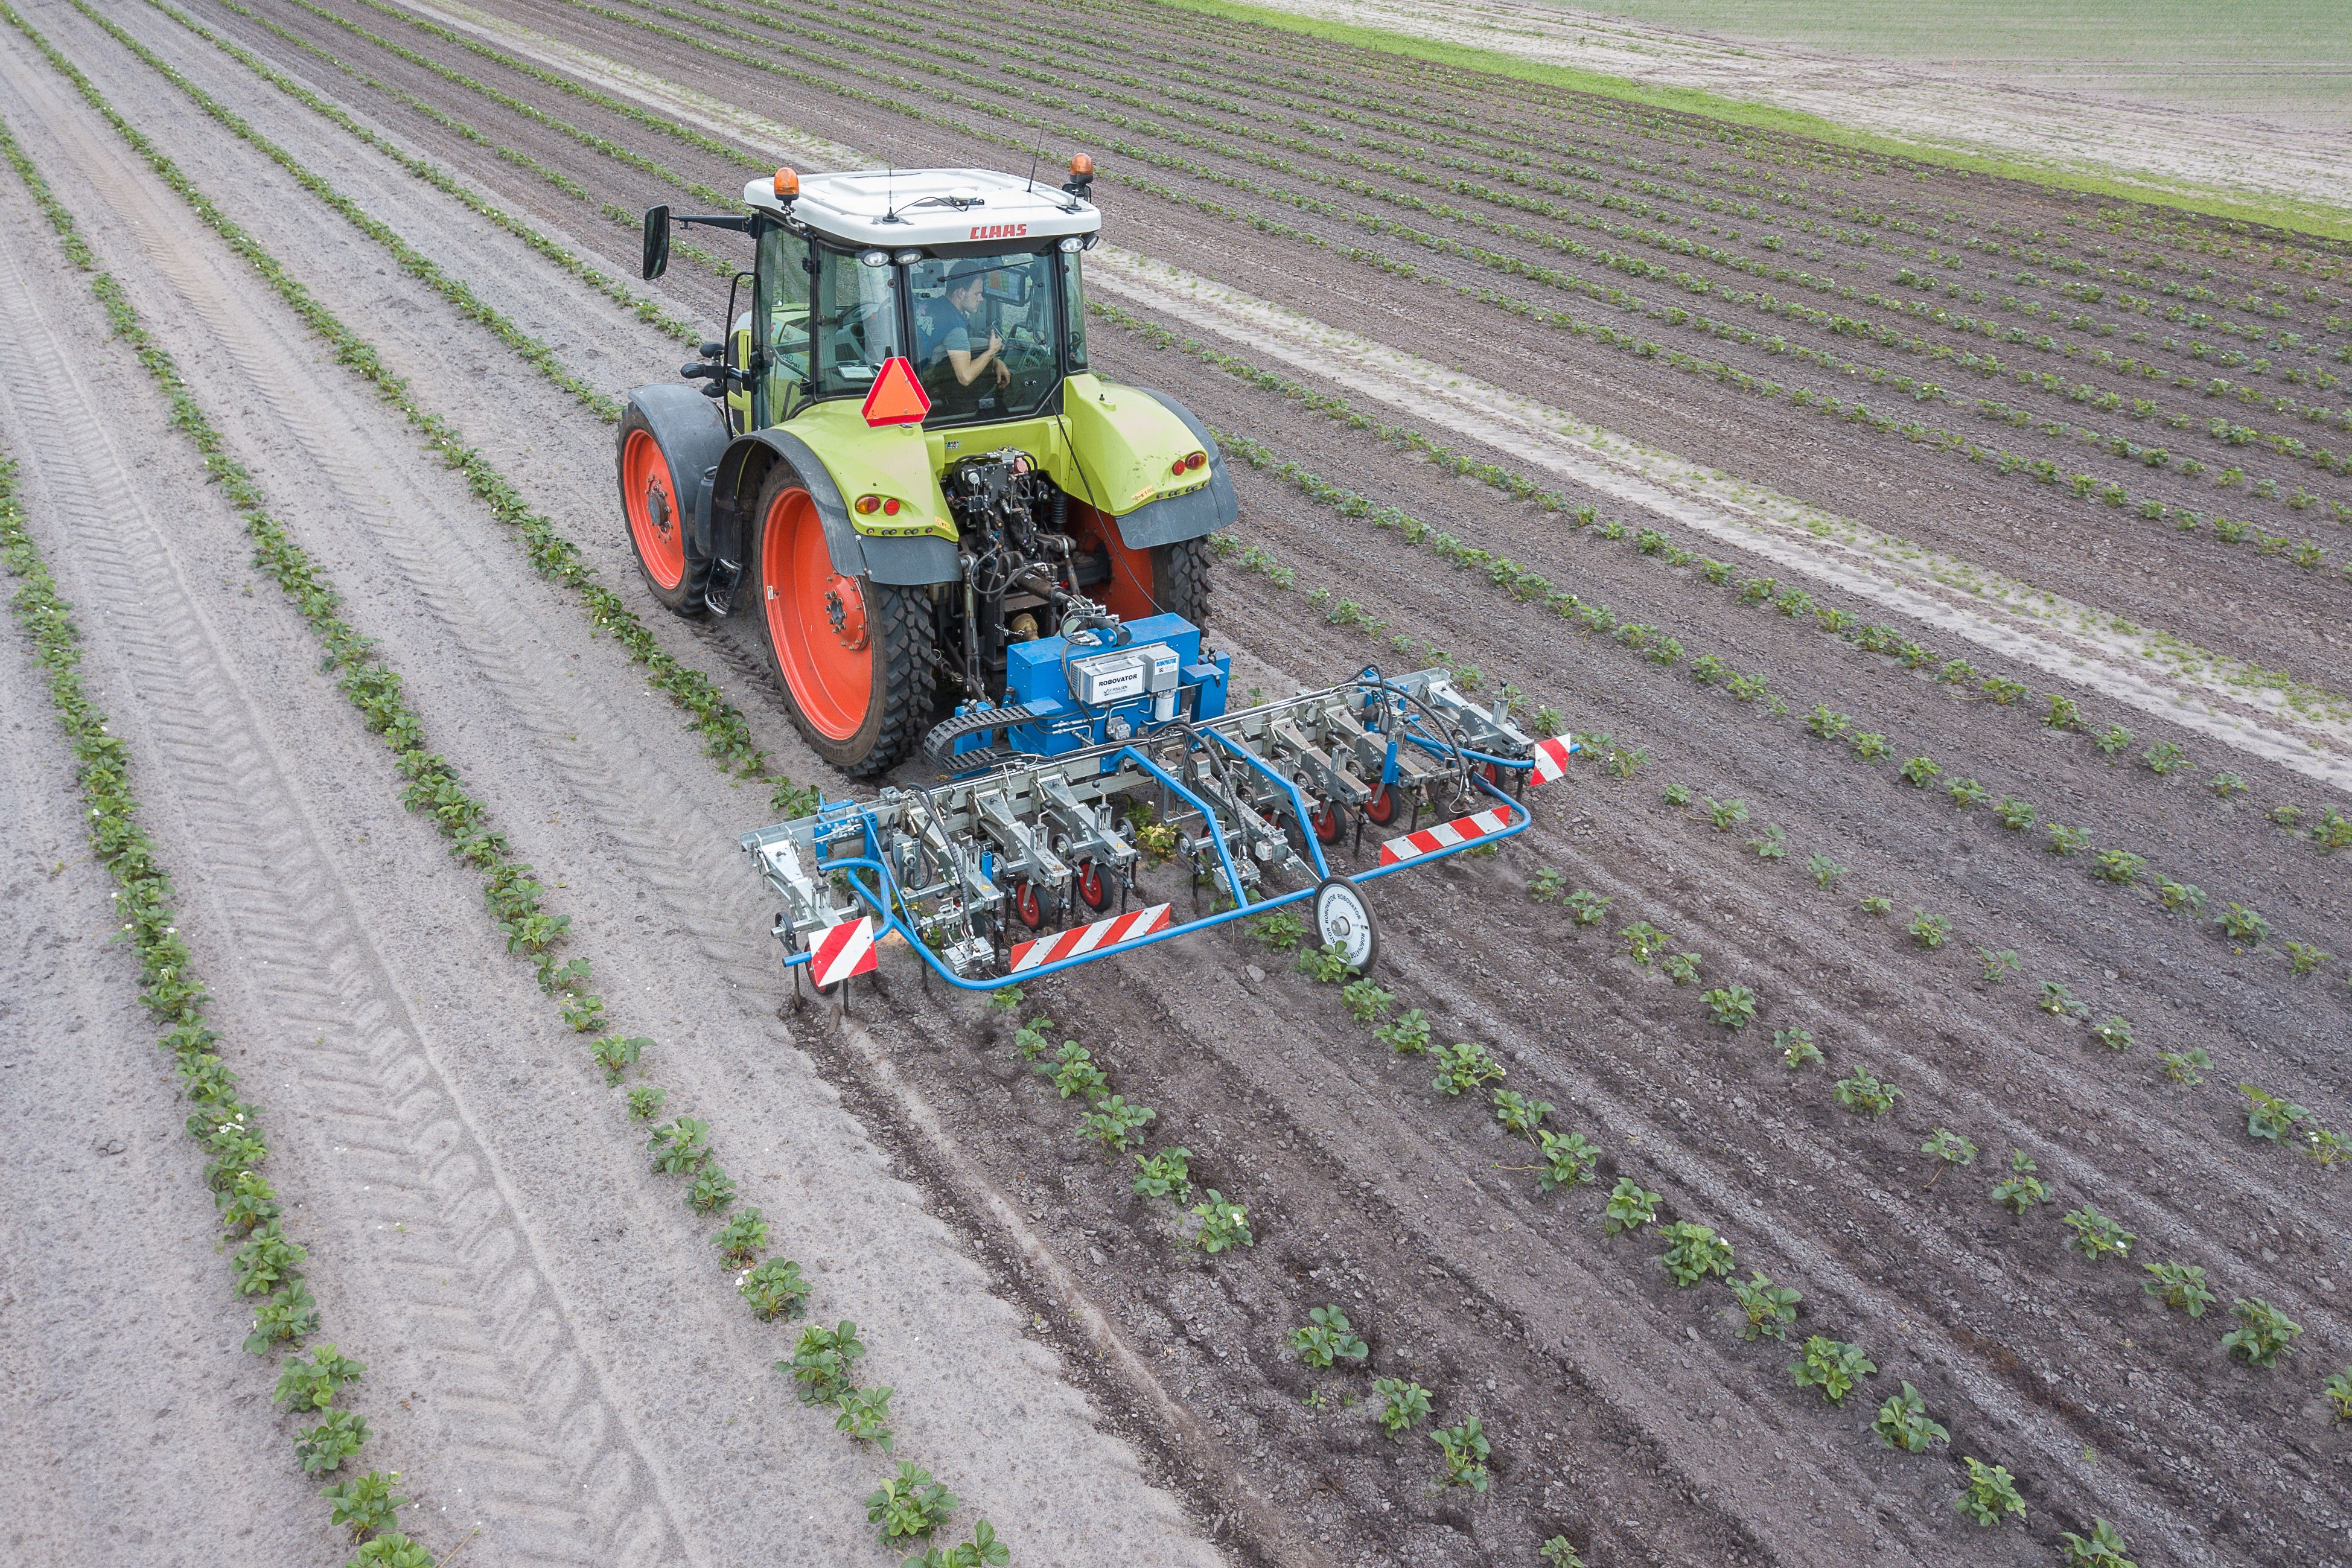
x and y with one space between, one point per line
1444 836
1086 939
1551 758
845 950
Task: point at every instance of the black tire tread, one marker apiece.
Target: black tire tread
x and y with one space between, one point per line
904 630
1180 579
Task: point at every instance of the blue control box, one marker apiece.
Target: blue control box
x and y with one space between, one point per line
1090 691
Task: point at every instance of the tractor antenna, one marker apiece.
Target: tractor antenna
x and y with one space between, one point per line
1038 153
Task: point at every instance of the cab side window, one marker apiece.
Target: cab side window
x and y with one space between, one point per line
780 324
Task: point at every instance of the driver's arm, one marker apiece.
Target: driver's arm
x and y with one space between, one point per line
966 367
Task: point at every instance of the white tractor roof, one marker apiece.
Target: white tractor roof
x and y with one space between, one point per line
932 207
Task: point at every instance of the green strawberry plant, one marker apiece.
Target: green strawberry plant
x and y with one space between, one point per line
1465 1450
1828 726
1903 1423
311 1384
1326 1338
1630 1207
1726 815
1223 1225
712 1191
2105 1548
1115 1124
2067 840
2338 1389
2059 1002
909 1505
1930 931
1278 931
680 1147
2096 1236
266 1261
2111 738
1832 1366
1990 1494
1876 904
1920 772
324 1447
2115 1034
1587 908
2063 714
742 1239
1404 1405
1694 1253
1325 965
1004 999
824 1363
1950 1149
1644 942
2118 866
1167 1174
2267 1334
1796 1047
863 1416
1676 795
1464 1065
983 1550
2021 1189
1861 1093
582 1013
1408 1036
775 1290
2227 784
2180 898
1033 1039
2182 1066
1733 1006
1073 1071
2177 1284
1824 870
1366 1002
1547 887
2269 1116
288 1314
2015 814
2329 1148
1519 1115
1770 1307
1558 1553
1998 963
2305 957
2243 924
645 1102
2163 757
391 1550
1682 968
366 1503
1967 794
1569 1159
1773 844
617 1055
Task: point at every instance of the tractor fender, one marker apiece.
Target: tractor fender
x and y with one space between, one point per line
1189 516
744 470
693 436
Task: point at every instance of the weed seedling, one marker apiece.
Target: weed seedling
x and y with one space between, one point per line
863 1416
1950 1149
909 1505
324 1447
1223 1225
1796 1047
742 1239
1930 931
1519 1115
2067 840
2015 814
2115 1034
2242 924
1824 870
1772 844
307 1385
366 1503
1733 1006
1465 1450
1587 908
1990 1494
1404 1405
1832 1366
1324 965
2268 1334
1770 1307
2227 784
775 1290
2180 898
2096 1236
617 1056
712 1191
1920 772
1567 1160
1863 1094
1326 1339
1073 1071
2180 1286
680 1147
1876 904
2021 1189
1167 1174
1726 815
1115 1124
1464 1065
2182 1066
645 1102
1694 1253
1366 1002
1630 1207
2059 1002
1903 1423
2268 1116
1280 931
2104 1549
1408 1036
1644 942
1967 794
824 1362
1682 968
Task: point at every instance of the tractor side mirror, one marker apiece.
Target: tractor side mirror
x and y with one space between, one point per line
657 242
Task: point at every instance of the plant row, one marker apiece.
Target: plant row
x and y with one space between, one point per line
911 1505
268 1263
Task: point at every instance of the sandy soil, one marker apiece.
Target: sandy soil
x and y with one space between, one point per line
1094 1373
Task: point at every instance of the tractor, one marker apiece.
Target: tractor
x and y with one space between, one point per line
899 461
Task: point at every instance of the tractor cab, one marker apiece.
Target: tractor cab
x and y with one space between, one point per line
900 461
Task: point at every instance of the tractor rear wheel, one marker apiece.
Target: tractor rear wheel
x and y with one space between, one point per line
657 517
1180 579
853 656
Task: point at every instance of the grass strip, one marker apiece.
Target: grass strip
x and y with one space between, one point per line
726 734
268 1262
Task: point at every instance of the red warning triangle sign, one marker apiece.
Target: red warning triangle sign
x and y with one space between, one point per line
898 398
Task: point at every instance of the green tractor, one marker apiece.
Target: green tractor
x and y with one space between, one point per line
899 462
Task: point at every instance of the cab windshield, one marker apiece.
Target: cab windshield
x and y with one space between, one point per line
856 321
988 332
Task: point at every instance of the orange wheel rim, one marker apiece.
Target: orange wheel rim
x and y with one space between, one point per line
816 620
652 502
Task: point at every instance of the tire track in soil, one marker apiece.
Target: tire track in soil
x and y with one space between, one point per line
531 1418
650 825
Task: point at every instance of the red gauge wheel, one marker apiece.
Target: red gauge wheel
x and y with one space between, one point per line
1382 807
1326 823
1027 906
1494 774
1092 890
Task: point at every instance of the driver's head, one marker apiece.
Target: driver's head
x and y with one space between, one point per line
965 283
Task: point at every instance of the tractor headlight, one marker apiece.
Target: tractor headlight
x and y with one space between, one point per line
907 257
1073 243
876 257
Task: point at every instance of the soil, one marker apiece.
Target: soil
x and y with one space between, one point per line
550 1320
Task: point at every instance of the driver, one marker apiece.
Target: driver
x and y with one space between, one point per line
946 334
